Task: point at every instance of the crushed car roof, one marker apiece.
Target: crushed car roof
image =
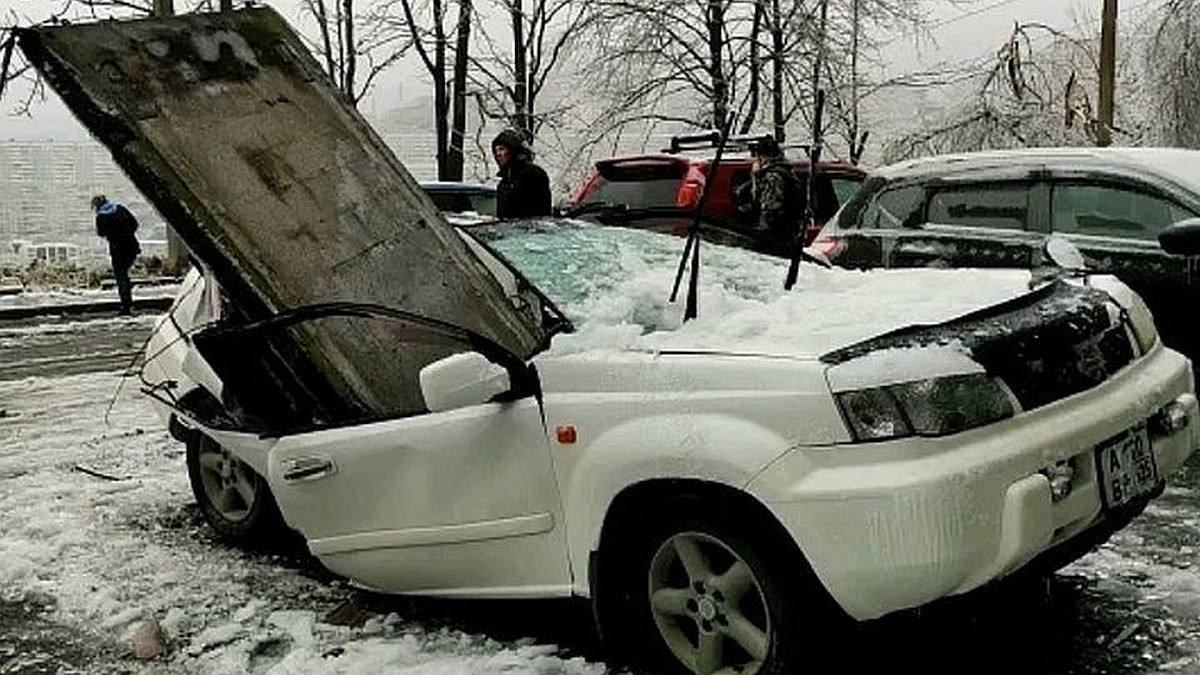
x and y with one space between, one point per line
277 184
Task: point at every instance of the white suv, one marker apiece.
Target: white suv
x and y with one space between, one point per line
865 443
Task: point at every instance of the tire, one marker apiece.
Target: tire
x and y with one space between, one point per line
704 589
234 500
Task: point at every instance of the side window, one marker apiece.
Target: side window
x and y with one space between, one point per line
1111 211
894 208
845 188
484 204
825 198
996 206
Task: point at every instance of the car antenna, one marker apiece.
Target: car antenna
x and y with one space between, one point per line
692 246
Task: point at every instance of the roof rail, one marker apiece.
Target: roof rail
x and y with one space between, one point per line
712 138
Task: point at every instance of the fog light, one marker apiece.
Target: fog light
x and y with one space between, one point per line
1170 418
1061 476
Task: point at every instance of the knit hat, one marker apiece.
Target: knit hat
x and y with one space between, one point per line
765 146
511 139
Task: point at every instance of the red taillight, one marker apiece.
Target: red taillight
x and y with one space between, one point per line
689 193
589 184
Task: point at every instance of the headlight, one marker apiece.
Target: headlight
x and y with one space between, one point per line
933 407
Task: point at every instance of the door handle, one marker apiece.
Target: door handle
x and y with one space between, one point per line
308 468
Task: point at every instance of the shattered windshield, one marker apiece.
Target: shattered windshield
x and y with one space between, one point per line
614 285
577 263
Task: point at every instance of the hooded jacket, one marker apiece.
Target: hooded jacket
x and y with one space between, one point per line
115 223
524 189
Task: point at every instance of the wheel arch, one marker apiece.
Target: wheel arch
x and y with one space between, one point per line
651 453
630 505
622 537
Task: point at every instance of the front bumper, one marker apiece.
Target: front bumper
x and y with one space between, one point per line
898 524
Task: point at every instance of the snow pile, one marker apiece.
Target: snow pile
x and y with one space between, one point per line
111 552
615 285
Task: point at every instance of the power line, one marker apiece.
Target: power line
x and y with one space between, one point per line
953 19
974 12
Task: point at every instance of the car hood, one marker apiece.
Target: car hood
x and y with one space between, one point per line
291 202
829 310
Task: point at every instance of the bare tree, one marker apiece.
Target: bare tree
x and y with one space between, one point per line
696 64
356 42
1172 63
428 34
1030 94
510 76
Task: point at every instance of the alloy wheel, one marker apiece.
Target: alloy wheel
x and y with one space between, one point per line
708 605
230 485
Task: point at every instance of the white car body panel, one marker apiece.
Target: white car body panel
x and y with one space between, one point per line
494 500
712 417
431 503
941 516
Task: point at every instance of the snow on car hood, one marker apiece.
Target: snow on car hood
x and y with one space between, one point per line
614 284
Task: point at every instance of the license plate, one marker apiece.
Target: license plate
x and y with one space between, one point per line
1126 466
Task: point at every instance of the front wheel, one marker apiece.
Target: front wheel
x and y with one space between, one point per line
233 498
705 590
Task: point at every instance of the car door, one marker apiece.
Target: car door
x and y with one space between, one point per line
869 223
1115 222
972 223
446 503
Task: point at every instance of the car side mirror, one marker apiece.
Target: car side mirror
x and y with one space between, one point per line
1063 253
1182 238
460 380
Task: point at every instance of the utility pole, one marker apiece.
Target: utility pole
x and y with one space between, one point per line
1108 71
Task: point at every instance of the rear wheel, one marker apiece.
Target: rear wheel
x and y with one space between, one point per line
233 498
703 589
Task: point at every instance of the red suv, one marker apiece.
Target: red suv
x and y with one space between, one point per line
675 178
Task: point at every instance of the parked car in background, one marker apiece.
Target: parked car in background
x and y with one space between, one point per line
994 209
456 197
673 180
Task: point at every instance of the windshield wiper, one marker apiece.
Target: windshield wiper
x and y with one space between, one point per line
595 207
692 246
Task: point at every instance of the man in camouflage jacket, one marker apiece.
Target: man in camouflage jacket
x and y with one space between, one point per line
774 195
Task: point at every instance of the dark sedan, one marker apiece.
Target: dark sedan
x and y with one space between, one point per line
996 209
453 197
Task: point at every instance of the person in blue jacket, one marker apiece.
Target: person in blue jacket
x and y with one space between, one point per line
115 223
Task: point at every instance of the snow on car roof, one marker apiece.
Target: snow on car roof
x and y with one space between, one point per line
1177 164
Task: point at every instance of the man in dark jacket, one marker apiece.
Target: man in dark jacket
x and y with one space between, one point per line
115 223
774 195
524 189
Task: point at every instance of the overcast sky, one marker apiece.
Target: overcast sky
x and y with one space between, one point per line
960 32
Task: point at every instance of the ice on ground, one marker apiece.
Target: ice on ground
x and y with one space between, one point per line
109 553
72 296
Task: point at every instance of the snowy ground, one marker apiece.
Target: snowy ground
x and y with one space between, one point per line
85 560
